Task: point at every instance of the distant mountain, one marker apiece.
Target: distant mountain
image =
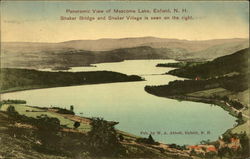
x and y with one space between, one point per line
85 52
111 44
218 50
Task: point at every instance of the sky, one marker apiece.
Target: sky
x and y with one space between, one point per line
40 21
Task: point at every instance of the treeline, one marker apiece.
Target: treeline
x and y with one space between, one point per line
237 62
12 101
235 83
18 79
179 64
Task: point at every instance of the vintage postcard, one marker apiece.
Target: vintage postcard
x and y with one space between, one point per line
124 79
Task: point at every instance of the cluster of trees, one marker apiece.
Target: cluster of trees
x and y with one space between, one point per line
234 103
64 110
103 139
148 140
175 146
10 101
48 133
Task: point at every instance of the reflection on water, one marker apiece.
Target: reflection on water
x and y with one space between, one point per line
136 111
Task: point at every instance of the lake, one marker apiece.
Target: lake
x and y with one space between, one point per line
136 111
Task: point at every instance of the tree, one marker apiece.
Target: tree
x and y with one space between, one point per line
240 115
46 123
227 137
121 137
12 111
240 118
47 132
77 124
245 145
103 139
222 152
72 108
150 139
192 152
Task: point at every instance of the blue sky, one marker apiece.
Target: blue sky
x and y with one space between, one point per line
40 21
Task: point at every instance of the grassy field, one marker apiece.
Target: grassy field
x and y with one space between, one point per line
242 128
34 112
211 92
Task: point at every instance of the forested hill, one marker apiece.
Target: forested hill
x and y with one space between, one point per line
228 73
233 64
21 79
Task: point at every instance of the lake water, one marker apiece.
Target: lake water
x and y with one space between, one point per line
136 111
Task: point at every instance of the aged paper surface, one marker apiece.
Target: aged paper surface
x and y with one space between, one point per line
124 79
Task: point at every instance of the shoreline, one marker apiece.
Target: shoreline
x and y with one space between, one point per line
36 88
216 102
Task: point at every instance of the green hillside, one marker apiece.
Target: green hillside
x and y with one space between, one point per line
236 63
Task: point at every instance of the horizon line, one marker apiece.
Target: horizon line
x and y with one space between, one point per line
246 38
